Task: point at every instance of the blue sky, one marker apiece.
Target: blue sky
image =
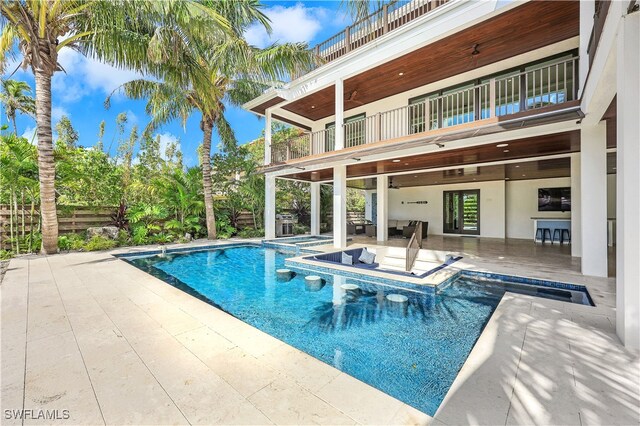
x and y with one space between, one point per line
81 92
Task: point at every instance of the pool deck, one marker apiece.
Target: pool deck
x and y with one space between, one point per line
91 334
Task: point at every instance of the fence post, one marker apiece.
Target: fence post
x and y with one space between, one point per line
385 19
347 40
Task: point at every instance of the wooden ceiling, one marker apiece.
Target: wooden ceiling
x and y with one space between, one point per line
527 27
540 169
538 146
528 170
260 109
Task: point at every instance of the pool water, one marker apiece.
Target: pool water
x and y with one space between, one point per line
411 351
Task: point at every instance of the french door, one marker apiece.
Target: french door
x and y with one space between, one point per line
462 212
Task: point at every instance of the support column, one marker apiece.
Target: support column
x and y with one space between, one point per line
576 207
593 198
315 208
269 207
627 187
340 207
267 137
339 138
382 186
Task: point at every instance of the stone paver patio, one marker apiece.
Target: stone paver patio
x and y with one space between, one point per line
91 334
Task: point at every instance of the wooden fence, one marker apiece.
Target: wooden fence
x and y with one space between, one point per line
72 219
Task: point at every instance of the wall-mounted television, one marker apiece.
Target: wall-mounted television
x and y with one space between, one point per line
554 199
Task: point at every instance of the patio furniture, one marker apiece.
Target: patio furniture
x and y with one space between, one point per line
396 227
351 228
370 230
407 231
355 227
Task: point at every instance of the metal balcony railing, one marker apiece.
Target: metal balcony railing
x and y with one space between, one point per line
388 18
549 84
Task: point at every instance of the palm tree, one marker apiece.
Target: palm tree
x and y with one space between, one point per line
229 72
15 97
124 33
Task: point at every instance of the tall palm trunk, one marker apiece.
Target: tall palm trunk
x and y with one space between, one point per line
207 129
46 164
15 128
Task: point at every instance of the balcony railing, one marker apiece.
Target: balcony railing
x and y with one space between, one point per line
599 18
550 84
388 18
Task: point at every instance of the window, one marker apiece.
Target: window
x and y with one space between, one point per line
546 82
461 212
354 132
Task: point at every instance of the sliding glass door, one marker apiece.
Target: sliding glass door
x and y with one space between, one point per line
462 212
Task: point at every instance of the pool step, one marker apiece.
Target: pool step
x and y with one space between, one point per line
394 260
430 256
421 266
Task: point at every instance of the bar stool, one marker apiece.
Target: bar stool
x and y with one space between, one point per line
543 232
561 233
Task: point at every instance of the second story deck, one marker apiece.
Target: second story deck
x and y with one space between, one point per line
495 100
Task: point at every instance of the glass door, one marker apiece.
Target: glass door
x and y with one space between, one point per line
462 212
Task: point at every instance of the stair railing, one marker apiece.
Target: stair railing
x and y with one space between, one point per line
414 246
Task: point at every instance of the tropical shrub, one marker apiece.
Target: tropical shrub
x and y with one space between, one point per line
299 228
251 233
71 242
139 236
224 228
98 242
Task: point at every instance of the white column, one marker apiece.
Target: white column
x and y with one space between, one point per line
368 207
382 186
269 206
593 198
587 10
340 206
339 114
315 208
267 137
628 184
576 207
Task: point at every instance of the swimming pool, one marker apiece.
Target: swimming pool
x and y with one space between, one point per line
411 351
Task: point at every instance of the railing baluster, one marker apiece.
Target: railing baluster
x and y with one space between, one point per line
492 97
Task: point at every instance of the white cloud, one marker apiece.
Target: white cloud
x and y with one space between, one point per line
84 76
57 112
30 135
166 139
295 23
132 118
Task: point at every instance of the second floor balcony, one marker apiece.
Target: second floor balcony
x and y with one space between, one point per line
494 99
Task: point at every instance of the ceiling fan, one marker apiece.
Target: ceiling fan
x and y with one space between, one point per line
352 98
